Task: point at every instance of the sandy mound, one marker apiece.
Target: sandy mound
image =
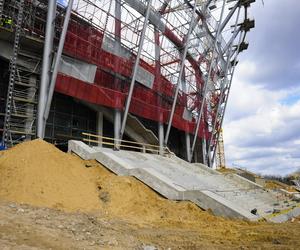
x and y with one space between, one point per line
39 174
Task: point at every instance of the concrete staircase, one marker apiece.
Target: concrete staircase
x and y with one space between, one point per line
226 195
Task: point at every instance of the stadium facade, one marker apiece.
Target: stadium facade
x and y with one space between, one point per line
155 71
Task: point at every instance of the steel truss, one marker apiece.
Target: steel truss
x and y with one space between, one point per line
191 44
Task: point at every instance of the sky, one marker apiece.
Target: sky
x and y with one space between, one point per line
262 120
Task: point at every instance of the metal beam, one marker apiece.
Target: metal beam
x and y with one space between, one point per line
57 62
226 100
207 80
228 17
135 69
229 52
46 66
158 80
180 75
117 112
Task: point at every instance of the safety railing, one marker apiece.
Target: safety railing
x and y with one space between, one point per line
130 145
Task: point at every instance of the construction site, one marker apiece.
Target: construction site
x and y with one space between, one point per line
111 116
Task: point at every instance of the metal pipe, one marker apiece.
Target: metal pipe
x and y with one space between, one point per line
206 82
117 112
57 62
230 14
46 66
213 156
180 76
225 78
117 125
135 70
157 78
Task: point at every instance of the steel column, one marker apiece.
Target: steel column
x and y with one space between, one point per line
157 77
46 66
161 137
230 14
180 76
206 82
117 112
99 126
135 69
225 78
57 62
229 87
117 126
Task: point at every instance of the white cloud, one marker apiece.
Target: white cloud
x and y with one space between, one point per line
260 132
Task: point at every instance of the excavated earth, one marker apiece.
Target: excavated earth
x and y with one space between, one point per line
53 200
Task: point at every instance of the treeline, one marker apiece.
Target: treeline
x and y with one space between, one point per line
284 179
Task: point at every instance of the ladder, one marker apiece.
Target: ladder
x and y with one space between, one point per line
1 8
11 84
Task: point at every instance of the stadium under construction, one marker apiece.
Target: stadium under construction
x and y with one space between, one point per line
157 72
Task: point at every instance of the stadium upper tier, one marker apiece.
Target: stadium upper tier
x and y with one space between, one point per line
187 53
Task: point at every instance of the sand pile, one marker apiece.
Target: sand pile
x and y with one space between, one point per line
39 174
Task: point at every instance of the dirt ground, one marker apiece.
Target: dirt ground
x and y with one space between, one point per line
26 227
76 204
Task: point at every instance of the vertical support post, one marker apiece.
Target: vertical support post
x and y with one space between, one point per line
229 88
180 75
223 89
135 69
57 62
117 112
46 67
188 146
207 80
187 135
99 127
117 127
204 151
161 137
158 80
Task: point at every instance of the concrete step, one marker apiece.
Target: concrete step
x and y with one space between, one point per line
175 179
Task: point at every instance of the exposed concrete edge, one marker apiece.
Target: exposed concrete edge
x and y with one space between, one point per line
206 168
163 186
113 163
82 150
242 179
220 206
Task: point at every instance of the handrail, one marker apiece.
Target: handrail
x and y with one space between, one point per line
118 143
112 139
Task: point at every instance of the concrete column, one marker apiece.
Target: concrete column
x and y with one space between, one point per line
188 146
45 74
99 127
204 153
117 127
161 137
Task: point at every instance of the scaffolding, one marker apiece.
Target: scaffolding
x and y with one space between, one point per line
220 152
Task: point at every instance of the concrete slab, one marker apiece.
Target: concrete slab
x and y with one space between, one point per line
81 149
226 195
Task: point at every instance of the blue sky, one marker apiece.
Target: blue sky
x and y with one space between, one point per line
262 122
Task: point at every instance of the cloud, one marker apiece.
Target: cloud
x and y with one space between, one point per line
274 43
262 121
260 132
